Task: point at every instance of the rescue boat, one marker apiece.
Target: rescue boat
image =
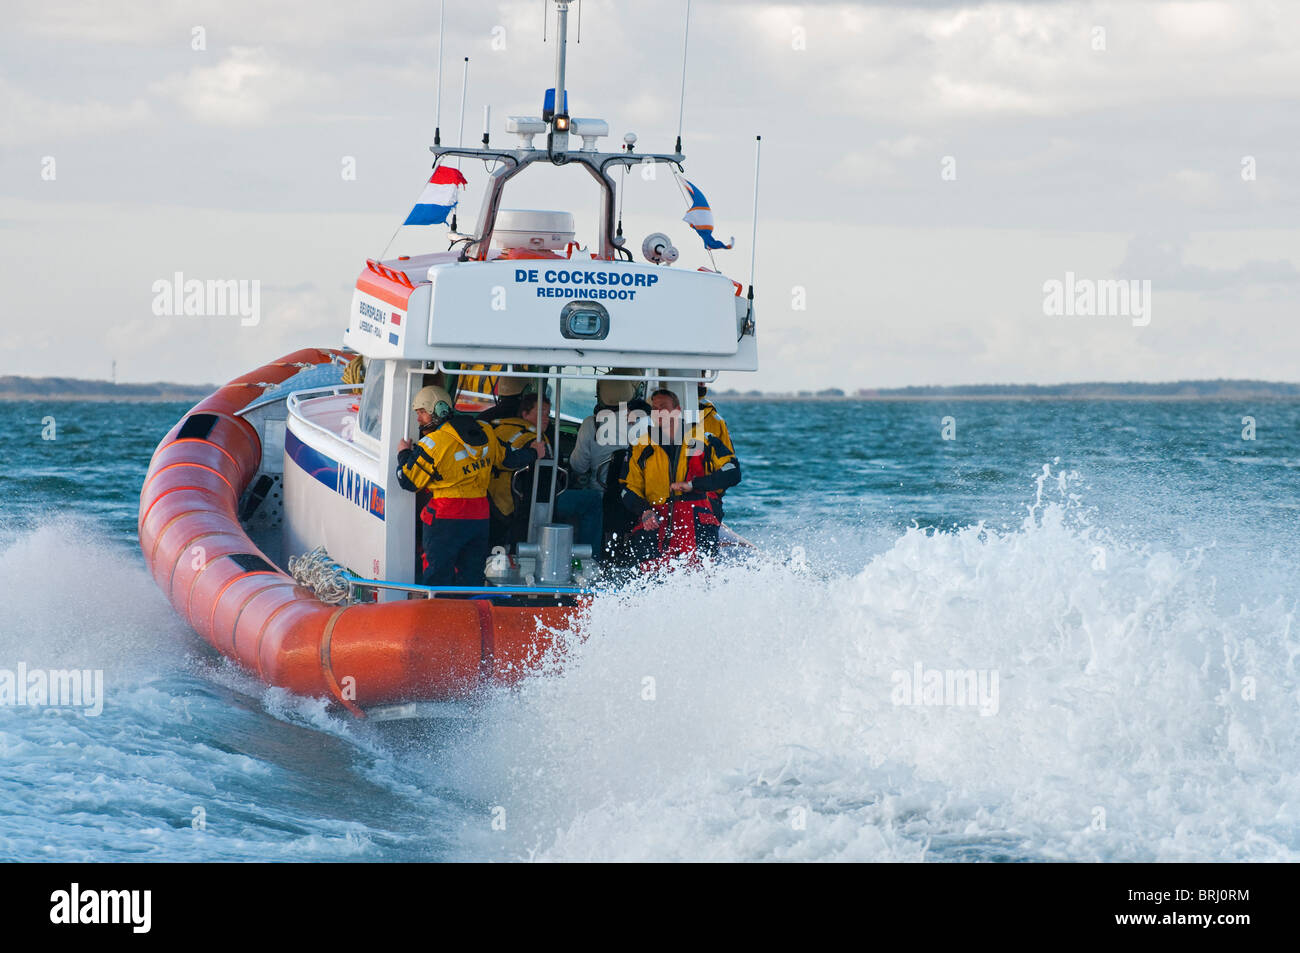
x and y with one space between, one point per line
271 514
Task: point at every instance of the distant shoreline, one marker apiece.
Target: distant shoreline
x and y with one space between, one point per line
976 398
68 389
64 390
1188 390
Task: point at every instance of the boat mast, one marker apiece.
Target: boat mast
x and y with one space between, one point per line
557 143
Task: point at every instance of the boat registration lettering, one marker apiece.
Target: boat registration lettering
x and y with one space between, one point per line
360 491
377 317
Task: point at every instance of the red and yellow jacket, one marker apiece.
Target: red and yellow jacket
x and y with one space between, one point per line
454 463
703 459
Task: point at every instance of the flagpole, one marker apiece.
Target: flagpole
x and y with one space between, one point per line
460 136
753 241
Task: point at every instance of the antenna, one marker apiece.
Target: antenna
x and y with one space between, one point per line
460 136
464 88
437 114
487 124
753 241
681 107
622 191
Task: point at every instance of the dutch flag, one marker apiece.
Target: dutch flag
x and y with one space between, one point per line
700 217
438 198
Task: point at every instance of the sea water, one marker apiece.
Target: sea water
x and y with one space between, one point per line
1115 583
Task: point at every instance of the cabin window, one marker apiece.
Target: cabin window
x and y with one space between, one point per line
370 416
577 398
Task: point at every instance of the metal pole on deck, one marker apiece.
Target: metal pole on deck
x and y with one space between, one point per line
563 29
437 110
753 240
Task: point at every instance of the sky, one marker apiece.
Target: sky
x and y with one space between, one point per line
929 170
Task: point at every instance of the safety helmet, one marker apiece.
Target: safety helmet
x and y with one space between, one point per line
510 386
435 400
613 393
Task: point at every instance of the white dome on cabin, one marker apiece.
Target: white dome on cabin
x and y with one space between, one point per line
534 229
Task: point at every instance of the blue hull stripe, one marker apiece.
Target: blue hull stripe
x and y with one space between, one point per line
342 480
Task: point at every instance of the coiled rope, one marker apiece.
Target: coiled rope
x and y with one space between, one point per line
321 574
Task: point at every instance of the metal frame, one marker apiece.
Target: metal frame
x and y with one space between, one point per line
649 375
515 161
537 518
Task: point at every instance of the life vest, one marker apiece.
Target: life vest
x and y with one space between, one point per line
513 433
713 424
650 475
479 378
455 463
651 472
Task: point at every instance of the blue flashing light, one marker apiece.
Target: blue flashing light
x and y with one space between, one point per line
548 104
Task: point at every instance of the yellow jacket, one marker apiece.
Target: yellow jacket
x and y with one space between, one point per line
454 463
513 433
712 422
704 460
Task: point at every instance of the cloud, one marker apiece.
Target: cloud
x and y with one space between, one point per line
33 119
1162 259
936 64
1064 153
246 87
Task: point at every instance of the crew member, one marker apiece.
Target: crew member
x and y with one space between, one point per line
594 445
509 391
454 461
579 507
713 423
619 522
667 485
513 431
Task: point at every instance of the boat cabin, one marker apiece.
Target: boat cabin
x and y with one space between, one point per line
516 297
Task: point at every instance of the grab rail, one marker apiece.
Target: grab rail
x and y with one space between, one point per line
432 592
293 405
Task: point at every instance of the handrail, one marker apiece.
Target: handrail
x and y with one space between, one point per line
430 592
511 372
290 399
293 401
329 390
